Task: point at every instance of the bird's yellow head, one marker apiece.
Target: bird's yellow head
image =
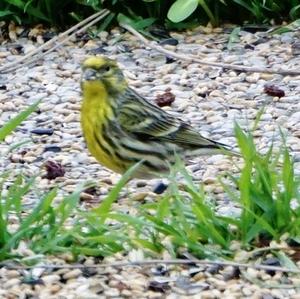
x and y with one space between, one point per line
104 72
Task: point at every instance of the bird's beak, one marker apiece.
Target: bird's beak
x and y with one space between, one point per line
89 75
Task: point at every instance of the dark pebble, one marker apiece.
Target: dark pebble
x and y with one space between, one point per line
156 286
169 41
159 31
16 49
203 95
292 242
235 274
99 50
170 59
214 269
160 188
89 272
38 159
140 184
160 270
32 37
83 37
42 131
33 281
52 148
255 28
91 190
123 48
48 35
249 47
273 261
259 41
24 33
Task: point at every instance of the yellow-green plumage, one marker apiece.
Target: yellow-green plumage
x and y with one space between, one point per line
121 128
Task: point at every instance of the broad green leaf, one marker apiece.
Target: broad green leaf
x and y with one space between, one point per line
18 3
182 9
4 13
122 19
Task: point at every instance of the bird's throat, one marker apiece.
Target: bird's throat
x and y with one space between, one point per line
95 105
93 90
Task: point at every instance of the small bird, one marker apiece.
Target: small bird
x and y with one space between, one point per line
121 128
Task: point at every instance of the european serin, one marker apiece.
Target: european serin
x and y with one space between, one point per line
121 128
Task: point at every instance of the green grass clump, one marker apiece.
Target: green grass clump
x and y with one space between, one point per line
266 191
52 227
176 14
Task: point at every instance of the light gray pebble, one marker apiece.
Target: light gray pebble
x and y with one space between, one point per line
72 274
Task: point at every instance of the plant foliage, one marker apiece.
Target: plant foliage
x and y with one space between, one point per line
164 12
265 189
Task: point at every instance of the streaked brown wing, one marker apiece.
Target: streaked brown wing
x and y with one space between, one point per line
138 116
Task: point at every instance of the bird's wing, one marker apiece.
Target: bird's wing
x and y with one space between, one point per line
139 117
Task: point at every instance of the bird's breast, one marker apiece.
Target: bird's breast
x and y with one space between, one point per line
96 115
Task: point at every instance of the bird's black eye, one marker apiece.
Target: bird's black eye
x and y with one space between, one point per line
107 69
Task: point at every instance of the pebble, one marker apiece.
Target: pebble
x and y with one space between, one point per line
54 288
42 131
112 292
253 78
11 283
50 279
12 274
72 274
159 188
85 196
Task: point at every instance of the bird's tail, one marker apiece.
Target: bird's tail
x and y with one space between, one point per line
213 148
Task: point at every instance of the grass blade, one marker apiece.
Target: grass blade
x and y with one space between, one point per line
13 123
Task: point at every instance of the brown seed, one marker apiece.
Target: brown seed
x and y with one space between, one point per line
274 91
165 99
53 170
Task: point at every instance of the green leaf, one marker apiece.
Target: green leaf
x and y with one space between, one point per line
4 13
285 261
246 5
103 209
13 123
144 23
290 27
294 12
147 244
245 143
18 3
106 22
137 23
122 19
182 9
233 37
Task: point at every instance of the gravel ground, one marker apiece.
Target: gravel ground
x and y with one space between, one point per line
210 99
